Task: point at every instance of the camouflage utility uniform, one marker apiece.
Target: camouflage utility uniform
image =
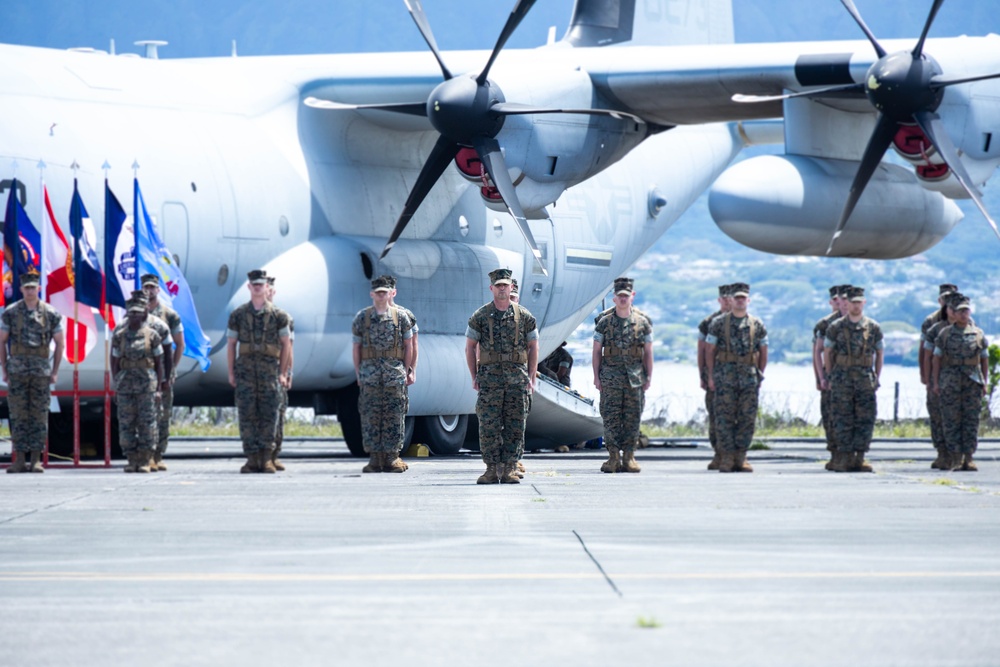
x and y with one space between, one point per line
382 377
738 342
279 432
713 437
29 369
853 347
819 334
960 353
557 359
166 404
502 374
137 352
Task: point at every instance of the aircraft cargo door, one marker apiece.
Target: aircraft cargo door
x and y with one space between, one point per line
536 287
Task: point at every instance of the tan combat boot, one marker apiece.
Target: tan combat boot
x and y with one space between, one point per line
158 460
740 462
842 461
278 465
265 463
251 465
614 462
151 461
716 459
490 476
142 458
36 462
968 464
392 463
520 470
131 465
508 473
374 463
17 462
727 461
833 458
858 464
628 461
936 465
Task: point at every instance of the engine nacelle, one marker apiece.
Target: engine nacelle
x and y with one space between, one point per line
790 205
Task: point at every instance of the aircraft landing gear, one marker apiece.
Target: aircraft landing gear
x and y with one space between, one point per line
444 434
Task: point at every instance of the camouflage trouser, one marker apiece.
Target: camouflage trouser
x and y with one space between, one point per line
827 419
383 415
137 421
852 409
502 412
279 432
28 400
961 404
735 407
164 408
713 437
621 410
934 415
257 401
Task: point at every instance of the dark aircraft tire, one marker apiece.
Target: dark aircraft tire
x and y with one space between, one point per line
443 434
350 419
410 425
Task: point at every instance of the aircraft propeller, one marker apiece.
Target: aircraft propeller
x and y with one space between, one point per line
469 112
905 87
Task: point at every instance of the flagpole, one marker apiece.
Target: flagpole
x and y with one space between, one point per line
107 336
76 333
43 274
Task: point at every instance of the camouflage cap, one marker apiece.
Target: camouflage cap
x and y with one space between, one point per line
843 290
501 277
856 293
382 284
723 290
951 299
961 302
740 289
30 278
138 302
257 277
945 289
270 280
513 286
149 279
835 291
624 286
391 280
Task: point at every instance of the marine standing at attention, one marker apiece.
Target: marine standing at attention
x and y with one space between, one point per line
151 288
501 351
29 325
259 332
622 360
279 432
838 301
412 370
383 364
725 305
137 372
925 356
959 371
736 354
852 363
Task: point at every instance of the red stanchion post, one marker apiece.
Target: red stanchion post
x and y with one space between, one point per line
107 418
76 417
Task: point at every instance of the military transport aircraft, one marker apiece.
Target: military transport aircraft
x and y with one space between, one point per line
564 163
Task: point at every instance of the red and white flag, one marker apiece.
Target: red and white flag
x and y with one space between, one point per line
57 276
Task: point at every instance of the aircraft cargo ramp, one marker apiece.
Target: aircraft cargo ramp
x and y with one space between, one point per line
560 416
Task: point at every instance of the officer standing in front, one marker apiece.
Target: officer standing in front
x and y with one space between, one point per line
725 305
259 332
137 368
383 364
736 354
505 337
622 360
151 288
852 362
29 325
959 371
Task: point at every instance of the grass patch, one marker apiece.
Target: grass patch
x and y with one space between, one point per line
538 500
944 481
650 622
759 445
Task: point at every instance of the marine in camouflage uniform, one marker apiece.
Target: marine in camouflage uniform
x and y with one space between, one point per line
558 365
163 331
137 369
925 356
259 332
416 334
29 325
725 305
501 352
736 353
623 368
959 371
838 301
383 356
852 362
165 407
279 433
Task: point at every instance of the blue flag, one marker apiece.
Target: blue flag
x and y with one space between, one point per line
88 278
154 257
119 252
22 243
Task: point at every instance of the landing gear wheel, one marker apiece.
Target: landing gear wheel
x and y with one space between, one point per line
350 419
444 434
409 427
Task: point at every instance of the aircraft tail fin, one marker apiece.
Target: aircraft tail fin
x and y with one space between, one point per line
650 22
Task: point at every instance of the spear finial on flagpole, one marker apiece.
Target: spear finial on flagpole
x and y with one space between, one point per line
75 167
106 167
14 165
135 169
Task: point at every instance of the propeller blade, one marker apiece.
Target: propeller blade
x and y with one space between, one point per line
410 108
879 142
938 82
849 4
489 152
423 25
442 154
517 14
933 127
829 91
918 50
515 109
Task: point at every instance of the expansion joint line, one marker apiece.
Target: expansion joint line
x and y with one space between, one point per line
600 569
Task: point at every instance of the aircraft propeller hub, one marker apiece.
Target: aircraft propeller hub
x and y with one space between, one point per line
461 109
898 85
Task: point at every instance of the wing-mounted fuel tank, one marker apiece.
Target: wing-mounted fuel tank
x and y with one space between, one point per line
790 205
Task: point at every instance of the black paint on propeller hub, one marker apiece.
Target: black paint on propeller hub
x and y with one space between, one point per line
460 109
898 85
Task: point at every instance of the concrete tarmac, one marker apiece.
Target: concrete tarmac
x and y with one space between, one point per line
321 565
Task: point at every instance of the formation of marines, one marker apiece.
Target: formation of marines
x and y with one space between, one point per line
502 357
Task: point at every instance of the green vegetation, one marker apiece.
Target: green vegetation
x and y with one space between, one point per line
650 622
